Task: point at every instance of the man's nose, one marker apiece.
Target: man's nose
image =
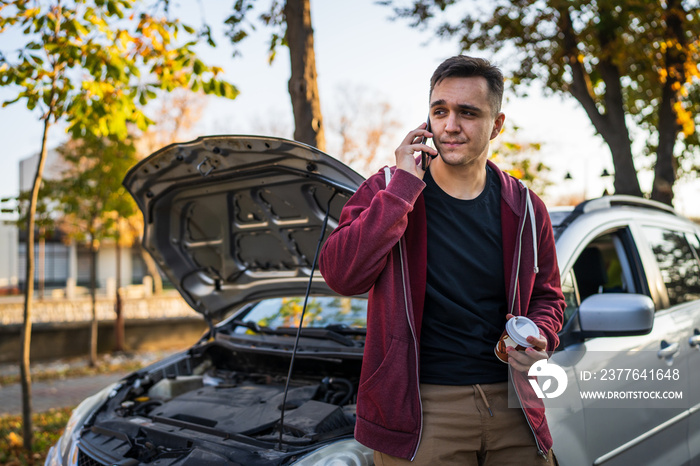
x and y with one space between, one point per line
451 124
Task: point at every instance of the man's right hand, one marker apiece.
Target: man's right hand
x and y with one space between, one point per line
412 143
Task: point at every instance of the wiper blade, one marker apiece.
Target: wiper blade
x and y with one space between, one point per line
344 329
311 332
333 332
248 324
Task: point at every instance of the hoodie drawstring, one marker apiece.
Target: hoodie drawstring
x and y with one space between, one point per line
531 211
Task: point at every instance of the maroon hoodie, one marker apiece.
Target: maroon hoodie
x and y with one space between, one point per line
380 247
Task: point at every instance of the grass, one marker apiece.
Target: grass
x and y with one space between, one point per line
48 427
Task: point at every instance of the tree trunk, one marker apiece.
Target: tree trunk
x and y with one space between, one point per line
666 164
611 125
303 86
26 337
93 290
626 181
118 305
665 167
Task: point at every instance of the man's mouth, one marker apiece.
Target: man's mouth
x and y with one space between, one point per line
451 143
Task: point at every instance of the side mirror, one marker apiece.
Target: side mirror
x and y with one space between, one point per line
616 314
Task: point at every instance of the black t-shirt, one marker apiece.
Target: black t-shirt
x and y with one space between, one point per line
465 298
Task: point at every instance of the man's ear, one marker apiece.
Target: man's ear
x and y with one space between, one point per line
498 125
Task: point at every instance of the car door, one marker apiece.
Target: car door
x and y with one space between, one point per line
690 284
673 269
623 432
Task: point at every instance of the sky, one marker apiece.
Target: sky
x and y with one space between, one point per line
358 50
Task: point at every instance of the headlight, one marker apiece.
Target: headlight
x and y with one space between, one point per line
78 418
343 453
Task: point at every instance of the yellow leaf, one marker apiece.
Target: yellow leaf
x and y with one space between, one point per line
517 173
14 440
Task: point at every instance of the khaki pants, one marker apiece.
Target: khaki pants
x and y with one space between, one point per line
459 430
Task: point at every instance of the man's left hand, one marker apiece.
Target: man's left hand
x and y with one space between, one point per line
522 360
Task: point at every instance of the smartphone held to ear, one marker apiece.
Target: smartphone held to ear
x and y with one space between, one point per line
424 155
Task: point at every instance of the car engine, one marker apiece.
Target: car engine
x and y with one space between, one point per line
218 405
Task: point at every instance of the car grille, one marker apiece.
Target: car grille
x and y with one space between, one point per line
85 460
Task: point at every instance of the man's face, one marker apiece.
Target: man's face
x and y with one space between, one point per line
462 120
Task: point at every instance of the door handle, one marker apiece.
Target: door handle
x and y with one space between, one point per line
694 341
668 350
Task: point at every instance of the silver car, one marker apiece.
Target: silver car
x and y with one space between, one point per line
631 277
235 222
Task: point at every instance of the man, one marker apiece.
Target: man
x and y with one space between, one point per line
448 255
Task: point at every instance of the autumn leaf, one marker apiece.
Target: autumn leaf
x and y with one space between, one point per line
14 440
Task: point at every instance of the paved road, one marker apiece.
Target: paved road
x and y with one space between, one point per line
54 393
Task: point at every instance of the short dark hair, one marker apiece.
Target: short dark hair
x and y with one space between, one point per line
462 66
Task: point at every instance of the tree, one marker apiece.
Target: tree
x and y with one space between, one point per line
80 62
291 25
633 66
365 125
521 159
91 198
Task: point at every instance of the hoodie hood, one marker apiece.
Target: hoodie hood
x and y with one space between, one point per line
231 219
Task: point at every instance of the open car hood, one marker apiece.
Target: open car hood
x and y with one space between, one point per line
231 219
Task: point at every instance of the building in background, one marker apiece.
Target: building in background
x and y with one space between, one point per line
9 267
62 266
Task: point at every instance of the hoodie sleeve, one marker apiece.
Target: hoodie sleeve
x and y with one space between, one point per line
371 223
546 307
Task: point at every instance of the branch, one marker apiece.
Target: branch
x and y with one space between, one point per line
581 87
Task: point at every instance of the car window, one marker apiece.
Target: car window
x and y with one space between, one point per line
570 296
603 267
694 244
677 262
321 311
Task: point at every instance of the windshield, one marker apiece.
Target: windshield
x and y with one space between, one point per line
321 311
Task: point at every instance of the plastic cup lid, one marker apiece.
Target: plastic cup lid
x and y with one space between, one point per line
519 328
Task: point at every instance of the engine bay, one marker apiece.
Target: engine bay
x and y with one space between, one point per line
220 405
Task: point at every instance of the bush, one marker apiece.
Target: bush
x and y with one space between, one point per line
48 427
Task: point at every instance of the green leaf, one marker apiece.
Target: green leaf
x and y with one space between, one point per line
230 91
198 67
100 89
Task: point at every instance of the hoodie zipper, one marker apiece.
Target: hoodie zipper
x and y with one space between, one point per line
415 346
512 308
387 178
540 451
